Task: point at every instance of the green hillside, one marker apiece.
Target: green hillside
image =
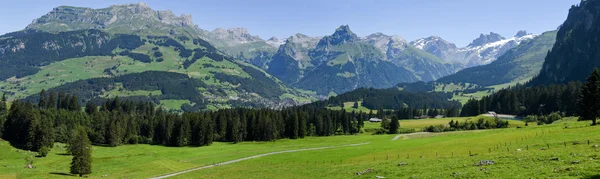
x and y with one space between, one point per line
68 59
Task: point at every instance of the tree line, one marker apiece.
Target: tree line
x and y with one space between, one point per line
481 123
544 104
115 122
526 100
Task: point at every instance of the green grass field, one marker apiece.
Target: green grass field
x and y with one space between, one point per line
174 104
349 107
419 124
441 155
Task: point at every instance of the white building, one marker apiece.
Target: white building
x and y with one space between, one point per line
375 120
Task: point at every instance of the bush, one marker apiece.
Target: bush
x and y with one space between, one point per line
380 131
44 151
555 116
531 118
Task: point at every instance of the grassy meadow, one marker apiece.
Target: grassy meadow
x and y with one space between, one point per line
419 124
349 107
559 150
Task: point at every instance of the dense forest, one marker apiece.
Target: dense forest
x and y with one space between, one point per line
117 122
392 98
524 100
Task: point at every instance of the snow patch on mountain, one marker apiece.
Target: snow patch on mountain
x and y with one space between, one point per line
483 50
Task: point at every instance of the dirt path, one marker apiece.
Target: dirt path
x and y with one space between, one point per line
416 133
253 157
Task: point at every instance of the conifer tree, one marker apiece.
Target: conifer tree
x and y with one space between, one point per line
589 99
394 125
91 108
74 104
82 153
380 113
43 101
3 113
51 101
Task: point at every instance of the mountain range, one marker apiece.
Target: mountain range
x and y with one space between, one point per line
483 50
299 59
78 47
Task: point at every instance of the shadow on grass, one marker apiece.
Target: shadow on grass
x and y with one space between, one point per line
61 174
592 177
64 154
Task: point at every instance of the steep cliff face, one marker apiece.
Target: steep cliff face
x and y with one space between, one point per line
118 19
577 49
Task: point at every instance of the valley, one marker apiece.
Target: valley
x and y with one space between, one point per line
128 91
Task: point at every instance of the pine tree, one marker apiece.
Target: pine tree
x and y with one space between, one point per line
302 125
394 125
43 101
52 101
361 119
3 113
74 104
91 108
82 153
385 124
589 99
355 106
237 131
295 126
380 113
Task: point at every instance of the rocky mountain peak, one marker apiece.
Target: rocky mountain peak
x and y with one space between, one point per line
341 35
433 44
521 33
275 42
297 37
344 32
235 35
128 17
238 30
485 39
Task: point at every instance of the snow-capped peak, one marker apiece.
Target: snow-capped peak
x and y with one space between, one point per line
487 53
276 42
485 49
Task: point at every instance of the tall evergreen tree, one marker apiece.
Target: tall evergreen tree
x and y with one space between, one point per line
394 125
237 131
43 103
3 113
91 108
82 153
74 104
589 99
380 113
52 101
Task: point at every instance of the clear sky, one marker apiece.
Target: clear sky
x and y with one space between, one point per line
458 21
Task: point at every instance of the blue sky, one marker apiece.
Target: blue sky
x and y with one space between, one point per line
458 21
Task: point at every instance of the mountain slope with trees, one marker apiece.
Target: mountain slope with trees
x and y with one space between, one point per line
520 63
35 60
575 53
